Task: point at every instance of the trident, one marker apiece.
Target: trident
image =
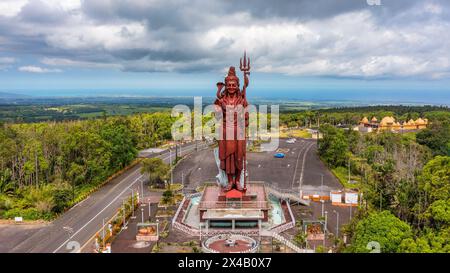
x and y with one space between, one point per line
245 66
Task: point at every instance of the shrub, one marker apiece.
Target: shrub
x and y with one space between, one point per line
62 198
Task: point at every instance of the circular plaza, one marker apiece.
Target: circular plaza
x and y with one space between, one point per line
230 243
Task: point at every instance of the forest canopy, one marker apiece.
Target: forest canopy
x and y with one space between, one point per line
45 166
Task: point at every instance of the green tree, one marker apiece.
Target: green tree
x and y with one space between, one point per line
439 211
435 178
382 227
419 245
122 141
62 195
436 137
157 170
333 147
167 196
429 241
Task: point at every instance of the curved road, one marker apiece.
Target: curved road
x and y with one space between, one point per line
74 228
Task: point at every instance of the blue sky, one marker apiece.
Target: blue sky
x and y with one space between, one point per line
184 47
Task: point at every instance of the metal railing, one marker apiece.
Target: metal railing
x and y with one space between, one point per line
180 207
286 194
233 204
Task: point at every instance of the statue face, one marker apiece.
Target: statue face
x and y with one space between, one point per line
232 87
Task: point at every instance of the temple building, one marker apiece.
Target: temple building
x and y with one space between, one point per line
390 124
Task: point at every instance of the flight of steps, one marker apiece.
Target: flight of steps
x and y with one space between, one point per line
286 242
286 194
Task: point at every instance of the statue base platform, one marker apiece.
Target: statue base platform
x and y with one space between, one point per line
221 208
216 211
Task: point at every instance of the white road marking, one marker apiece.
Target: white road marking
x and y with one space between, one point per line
114 200
296 165
303 164
137 179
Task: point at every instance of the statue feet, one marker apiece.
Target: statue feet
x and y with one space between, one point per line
238 185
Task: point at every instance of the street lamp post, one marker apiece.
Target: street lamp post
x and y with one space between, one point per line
142 214
171 169
337 223
124 214
325 228
149 210
157 231
132 204
321 183
103 232
142 190
322 201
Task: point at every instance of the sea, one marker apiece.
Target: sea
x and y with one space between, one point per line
331 97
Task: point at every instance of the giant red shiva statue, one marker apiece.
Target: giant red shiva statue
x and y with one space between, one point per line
231 103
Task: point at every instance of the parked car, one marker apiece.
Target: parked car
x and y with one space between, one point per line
279 155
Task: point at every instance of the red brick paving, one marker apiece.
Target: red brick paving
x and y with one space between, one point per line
239 246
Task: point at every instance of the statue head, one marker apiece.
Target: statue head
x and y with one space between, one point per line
232 81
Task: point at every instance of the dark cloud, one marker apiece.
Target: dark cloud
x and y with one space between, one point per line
322 37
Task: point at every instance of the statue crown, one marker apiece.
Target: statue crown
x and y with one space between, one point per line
232 75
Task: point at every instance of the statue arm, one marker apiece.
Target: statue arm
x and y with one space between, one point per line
246 82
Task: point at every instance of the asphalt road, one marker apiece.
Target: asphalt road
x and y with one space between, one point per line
74 228
300 168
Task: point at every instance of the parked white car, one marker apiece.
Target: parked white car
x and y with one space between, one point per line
291 141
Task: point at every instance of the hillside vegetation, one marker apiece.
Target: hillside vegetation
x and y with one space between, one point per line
45 167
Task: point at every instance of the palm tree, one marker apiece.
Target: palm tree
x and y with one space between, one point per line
6 185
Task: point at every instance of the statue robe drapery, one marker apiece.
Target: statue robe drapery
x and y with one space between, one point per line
231 149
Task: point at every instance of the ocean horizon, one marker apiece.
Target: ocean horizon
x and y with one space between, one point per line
413 97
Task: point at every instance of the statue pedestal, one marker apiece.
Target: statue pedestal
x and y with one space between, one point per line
235 194
216 211
220 208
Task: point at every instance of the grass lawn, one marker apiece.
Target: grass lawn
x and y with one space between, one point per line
174 187
342 174
298 133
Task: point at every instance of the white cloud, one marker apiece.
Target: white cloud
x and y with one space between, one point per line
413 41
11 8
109 37
37 69
433 8
7 60
75 63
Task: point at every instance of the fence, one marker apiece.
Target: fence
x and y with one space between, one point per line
233 204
